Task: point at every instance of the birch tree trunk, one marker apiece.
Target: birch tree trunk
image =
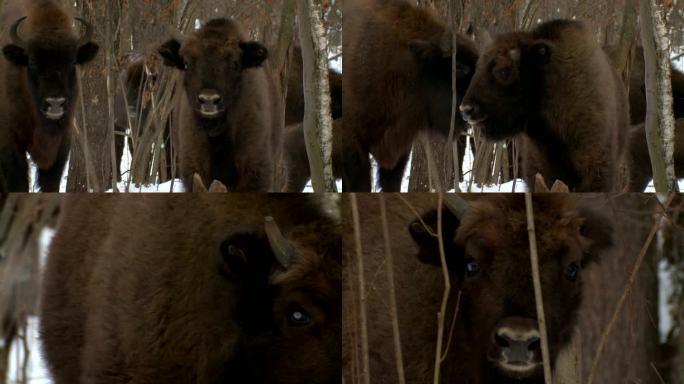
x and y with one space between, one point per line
317 115
659 115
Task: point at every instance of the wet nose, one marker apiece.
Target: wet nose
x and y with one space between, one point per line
209 96
517 343
468 111
55 101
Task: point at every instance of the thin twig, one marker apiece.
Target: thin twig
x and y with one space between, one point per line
538 298
452 327
365 372
389 267
413 210
447 289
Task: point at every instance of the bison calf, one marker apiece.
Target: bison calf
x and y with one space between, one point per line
239 288
555 90
397 82
231 115
38 83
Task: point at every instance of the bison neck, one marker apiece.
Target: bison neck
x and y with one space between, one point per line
548 153
222 160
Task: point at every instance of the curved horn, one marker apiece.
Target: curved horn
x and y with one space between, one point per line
14 35
456 205
282 249
88 31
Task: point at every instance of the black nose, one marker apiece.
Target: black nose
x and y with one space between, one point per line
468 111
209 96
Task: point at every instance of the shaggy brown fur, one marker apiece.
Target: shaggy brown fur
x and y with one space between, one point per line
294 104
555 90
54 49
192 294
236 137
397 82
297 159
640 170
493 235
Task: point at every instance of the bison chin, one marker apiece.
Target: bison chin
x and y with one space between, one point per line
213 127
495 129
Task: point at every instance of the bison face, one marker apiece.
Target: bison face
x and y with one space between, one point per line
139 77
505 85
488 258
435 73
212 75
51 67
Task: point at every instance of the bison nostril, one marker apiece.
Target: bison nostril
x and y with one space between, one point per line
466 111
206 98
533 344
501 341
55 101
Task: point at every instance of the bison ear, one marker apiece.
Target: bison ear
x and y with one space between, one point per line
15 54
424 51
86 52
170 52
243 254
426 238
597 229
253 54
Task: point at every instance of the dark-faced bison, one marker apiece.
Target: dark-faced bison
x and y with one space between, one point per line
41 50
397 83
556 91
139 77
495 337
237 288
231 115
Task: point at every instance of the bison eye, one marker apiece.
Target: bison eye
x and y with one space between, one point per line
571 272
503 74
186 65
298 317
472 267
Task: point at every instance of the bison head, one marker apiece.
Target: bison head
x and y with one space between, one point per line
289 306
487 253
505 85
213 60
51 62
434 63
139 77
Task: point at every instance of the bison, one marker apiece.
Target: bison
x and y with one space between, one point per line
41 51
555 90
397 83
207 289
231 115
138 78
495 336
296 159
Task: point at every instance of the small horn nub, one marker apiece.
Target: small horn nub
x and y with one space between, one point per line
282 249
14 35
456 205
88 31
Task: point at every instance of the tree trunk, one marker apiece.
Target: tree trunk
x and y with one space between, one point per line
317 116
659 117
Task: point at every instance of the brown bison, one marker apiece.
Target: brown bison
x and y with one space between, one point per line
555 90
238 288
397 83
40 50
495 334
231 118
139 77
297 160
294 104
639 160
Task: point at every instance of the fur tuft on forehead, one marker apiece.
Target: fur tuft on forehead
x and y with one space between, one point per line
47 20
221 36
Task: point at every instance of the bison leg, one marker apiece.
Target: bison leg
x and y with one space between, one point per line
49 179
356 172
119 148
390 179
14 169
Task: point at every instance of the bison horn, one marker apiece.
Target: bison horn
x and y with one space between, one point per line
14 35
282 249
456 205
88 31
